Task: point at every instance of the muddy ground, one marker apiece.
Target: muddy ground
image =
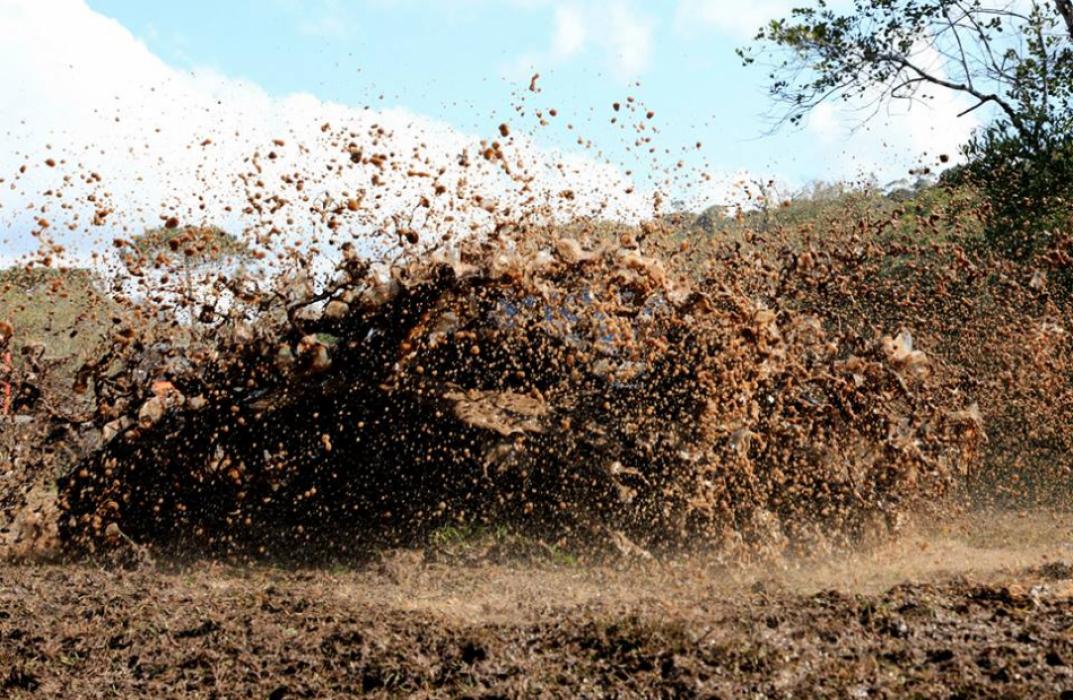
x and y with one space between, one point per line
982 608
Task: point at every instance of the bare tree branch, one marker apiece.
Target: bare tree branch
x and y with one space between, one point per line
1018 61
1012 113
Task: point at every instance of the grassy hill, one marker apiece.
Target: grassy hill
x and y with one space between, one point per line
59 316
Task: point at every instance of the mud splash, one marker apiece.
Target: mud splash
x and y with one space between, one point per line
510 362
581 389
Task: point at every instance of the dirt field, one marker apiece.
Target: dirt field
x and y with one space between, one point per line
983 608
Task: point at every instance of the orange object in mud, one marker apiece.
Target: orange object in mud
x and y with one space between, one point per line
162 388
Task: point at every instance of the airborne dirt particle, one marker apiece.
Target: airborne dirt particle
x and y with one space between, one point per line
495 357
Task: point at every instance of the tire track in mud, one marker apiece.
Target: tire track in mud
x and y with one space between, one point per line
210 631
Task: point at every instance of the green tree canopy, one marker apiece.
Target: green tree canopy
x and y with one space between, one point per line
198 254
196 244
1013 58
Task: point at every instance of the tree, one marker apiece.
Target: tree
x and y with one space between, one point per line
198 249
1018 61
1013 58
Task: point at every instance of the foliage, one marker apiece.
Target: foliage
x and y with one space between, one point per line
197 244
932 212
1030 194
1014 60
62 310
199 255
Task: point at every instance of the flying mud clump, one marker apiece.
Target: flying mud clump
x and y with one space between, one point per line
584 384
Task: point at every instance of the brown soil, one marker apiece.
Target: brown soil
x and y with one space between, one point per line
988 612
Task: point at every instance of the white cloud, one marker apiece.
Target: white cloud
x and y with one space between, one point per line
615 29
325 19
904 133
81 90
570 32
629 38
741 19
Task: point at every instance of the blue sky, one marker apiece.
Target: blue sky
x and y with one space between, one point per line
463 60
129 88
